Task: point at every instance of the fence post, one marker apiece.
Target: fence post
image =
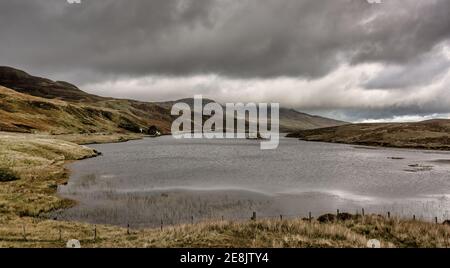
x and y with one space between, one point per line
414 217
362 212
192 219
222 218
436 220
281 217
162 224
60 234
128 229
253 216
310 218
389 214
24 233
95 232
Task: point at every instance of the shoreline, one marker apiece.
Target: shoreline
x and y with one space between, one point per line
102 138
377 145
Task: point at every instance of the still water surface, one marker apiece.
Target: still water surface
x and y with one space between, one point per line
143 182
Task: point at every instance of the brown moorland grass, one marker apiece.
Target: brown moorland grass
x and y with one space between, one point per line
297 233
38 163
431 134
30 114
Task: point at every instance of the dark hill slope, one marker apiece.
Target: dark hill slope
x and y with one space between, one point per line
21 81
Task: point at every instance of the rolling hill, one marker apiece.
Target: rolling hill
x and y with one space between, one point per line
34 104
21 81
431 134
25 113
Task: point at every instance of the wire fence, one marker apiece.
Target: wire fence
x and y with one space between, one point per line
26 231
153 222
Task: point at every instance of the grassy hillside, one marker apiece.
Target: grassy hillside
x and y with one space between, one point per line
25 113
432 134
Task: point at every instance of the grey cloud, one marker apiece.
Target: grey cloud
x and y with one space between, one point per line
251 43
387 114
250 38
404 30
420 72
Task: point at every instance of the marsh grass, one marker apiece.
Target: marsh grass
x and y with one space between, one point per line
39 163
264 233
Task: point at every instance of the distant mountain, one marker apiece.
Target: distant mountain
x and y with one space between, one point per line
431 134
291 120
60 107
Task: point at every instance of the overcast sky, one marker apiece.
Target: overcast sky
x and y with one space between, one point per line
346 59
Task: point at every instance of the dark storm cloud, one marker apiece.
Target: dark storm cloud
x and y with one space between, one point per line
99 35
250 38
360 60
